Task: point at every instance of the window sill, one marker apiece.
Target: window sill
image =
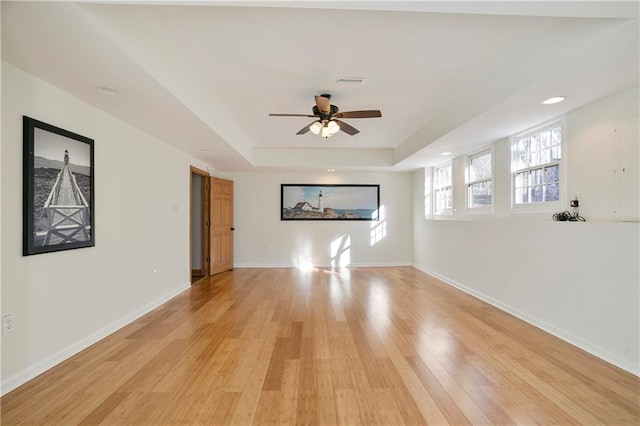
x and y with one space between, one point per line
537 208
474 211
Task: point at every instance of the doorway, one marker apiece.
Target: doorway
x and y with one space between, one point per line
199 222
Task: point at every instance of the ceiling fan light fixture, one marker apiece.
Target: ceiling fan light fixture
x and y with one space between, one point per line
329 129
328 119
316 127
325 133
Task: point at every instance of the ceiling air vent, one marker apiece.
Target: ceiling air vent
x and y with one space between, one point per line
350 80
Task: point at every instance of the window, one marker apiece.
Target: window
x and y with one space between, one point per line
479 182
536 166
442 190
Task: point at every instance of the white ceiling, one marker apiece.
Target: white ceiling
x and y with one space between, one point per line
447 76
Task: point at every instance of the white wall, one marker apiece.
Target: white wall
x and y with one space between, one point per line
65 301
262 239
579 281
604 157
1 209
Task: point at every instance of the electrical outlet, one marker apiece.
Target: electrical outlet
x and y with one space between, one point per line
7 324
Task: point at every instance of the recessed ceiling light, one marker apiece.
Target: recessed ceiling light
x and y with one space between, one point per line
446 153
331 170
554 100
108 90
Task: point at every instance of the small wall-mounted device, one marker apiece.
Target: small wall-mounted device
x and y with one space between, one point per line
566 216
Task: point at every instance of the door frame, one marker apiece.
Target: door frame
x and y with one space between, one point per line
204 222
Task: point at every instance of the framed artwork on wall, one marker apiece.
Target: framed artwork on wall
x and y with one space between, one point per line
329 202
58 189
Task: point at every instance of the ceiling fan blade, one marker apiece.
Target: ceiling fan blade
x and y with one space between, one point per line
372 113
291 115
323 104
348 129
305 129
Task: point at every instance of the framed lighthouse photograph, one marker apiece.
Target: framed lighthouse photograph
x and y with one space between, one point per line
329 202
58 189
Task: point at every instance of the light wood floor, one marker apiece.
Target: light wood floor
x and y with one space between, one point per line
362 346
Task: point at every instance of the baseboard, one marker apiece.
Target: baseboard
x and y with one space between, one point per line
23 377
380 265
291 265
578 342
262 265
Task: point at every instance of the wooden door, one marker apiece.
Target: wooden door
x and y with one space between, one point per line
221 230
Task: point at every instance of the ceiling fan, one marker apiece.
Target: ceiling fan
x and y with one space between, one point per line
327 121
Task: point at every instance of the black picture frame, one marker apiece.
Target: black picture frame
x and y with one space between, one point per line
58 189
329 202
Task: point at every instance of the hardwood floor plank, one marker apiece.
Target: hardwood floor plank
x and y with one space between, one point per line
268 410
395 370
450 410
348 409
368 346
104 409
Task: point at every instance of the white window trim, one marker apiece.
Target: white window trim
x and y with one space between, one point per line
544 206
428 193
447 212
483 209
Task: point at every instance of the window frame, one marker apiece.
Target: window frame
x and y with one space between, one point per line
467 182
436 188
540 206
428 192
